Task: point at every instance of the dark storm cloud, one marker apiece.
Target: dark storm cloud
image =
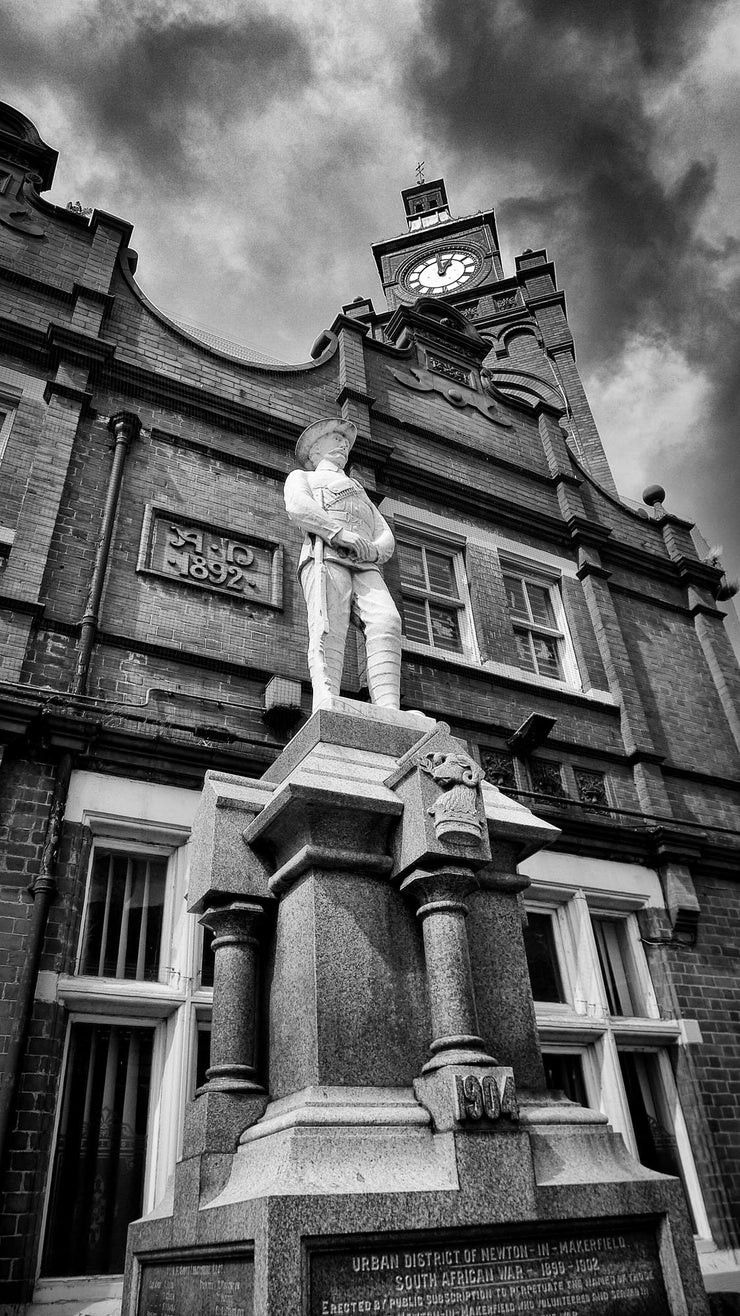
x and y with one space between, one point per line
561 87
573 94
151 78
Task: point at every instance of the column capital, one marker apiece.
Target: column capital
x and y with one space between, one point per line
439 889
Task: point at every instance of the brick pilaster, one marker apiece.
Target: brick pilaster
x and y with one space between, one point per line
636 734
353 396
40 507
719 657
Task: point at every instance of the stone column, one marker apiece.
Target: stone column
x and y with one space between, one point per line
442 911
234 1028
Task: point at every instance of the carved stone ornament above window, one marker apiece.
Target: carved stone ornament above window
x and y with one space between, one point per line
591 787
458 395
441 366
498 768
547 778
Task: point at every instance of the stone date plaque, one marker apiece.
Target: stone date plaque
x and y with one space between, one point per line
546 1271
197 1286
209 557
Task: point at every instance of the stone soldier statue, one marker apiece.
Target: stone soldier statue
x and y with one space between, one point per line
346 542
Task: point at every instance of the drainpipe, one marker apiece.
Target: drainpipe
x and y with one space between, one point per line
125 426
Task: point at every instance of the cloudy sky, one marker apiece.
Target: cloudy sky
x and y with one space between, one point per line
259 148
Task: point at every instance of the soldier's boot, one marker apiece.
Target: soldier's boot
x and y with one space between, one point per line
384 677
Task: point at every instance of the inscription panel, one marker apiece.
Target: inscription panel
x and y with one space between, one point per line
548 1272
196 553
201 1287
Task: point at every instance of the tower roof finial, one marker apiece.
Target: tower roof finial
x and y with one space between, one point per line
420 172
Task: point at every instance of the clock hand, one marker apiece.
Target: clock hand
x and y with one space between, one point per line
443 263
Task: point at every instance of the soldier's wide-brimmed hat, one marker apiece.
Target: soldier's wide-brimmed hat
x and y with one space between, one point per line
318 430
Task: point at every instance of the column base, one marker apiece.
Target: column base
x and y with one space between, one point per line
462 1049
230 1078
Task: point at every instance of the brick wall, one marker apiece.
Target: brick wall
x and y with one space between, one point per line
23 437
680 699
29 1145
707 984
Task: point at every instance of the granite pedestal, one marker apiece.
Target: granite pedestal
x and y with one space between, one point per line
374 1134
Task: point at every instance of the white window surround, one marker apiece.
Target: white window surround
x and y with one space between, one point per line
418 521
9 399
95 1295
572 889
549 577
114 806
141 818
611 884
449 542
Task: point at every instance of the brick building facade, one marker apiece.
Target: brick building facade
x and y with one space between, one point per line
151 627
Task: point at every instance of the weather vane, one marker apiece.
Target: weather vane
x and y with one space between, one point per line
420 172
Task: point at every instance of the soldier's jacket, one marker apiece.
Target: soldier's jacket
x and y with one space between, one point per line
325 501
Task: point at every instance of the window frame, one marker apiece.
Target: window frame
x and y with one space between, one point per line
9 402
173 1007
550 579
583 1025
155 850
452 546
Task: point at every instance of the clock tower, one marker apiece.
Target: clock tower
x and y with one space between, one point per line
438 256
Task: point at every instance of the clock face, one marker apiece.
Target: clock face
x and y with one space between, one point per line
442 272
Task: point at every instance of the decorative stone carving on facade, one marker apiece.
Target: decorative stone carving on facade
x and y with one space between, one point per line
455 811
14 215
506 303
591 787
441 366
498 768
521 386
424 381
547 778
